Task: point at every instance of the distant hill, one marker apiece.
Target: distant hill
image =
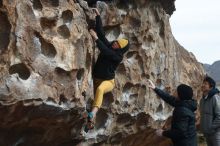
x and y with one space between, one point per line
207 66
213 71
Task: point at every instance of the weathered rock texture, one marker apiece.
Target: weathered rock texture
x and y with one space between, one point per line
46 59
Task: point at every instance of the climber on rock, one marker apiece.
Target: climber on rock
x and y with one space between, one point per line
110 56
183 129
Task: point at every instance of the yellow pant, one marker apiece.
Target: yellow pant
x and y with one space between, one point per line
101 87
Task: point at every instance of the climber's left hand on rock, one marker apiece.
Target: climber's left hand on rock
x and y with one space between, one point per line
96 11
93 34
151 84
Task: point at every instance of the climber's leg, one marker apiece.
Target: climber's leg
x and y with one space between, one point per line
96 83
104 87
101 87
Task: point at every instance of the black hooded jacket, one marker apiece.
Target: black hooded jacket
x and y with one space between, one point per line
212 93
108 59
183 129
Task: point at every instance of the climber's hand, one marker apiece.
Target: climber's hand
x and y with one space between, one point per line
151 84
96 11
93 34
159 132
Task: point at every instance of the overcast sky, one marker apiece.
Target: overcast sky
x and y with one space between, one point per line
196 26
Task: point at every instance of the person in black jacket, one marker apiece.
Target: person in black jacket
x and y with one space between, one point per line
183 129
111 54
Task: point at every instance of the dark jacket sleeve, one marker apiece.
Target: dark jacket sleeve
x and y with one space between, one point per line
100 31
216 112
180 128
171 100
110 54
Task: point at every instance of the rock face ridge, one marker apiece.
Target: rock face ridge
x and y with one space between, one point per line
46 60
213 71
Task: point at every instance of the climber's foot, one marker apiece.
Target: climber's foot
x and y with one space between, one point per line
89 126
